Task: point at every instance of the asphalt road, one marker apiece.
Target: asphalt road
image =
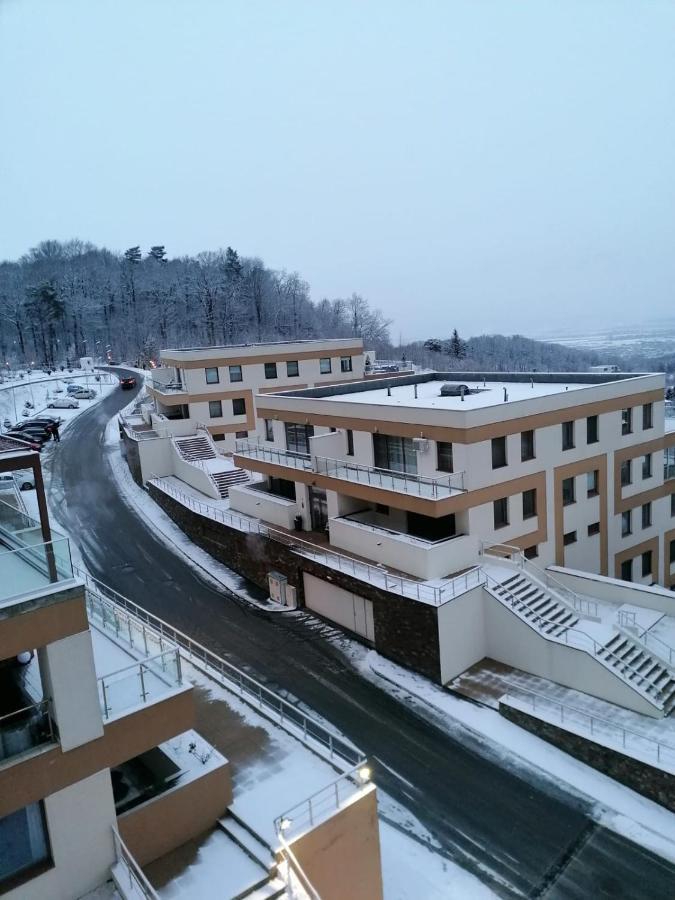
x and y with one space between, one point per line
516 829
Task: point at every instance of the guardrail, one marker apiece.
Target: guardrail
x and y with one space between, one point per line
566 714
50 563
658 646
26 728
128 875
274 455
149 631
133 684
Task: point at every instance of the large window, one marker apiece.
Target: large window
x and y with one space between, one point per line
395 453
212 376
529 503
235 373
269 430
592 430
24 846
444 456
648 416
671 552
626 523
498 452
501 512
430 529
281 487
592 483
325 365
568 495
270 370
292 368
647 465
646 515
526 445
646 563
568 435
239 406
626 421
215 409
626 472
345 364
627 570
297 437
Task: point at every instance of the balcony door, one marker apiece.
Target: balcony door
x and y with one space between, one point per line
394 453
318 509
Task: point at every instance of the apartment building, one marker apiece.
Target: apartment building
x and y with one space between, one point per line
101 770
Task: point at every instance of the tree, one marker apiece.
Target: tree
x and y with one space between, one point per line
433 345
457 346
157 252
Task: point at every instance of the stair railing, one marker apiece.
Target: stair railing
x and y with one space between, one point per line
651 641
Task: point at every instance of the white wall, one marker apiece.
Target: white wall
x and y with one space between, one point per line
617 591
261 505
342 607
461 633
156 457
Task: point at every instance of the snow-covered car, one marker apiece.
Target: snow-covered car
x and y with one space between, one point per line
63 403
24 480
83 394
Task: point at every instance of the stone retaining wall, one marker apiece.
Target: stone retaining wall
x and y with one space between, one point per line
131 453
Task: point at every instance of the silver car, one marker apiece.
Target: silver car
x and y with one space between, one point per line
63 403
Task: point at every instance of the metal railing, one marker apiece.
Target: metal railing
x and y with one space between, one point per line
168 387
136 683
274 455
596 726
128 875
657 646
148 630
26 728
294 868
42 564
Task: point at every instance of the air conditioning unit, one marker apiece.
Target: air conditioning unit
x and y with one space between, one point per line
421 445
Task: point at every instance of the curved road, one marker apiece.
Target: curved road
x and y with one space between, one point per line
517 830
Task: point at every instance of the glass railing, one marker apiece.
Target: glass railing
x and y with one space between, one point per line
139 683
24 729
169 387
274 454
28 568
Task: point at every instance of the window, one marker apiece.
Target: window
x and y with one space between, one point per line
592 482
646 515
238 406
498 452
270 370
531 552
212 376
569 538
241 434
235 373
568 495
345 364
292 368
646 563
501 512
25 845
281 487
669 462
671 552
568 435
297 437
626 472
444 456
529 503
269 430
324 365
672 504
215 409
394 453
592 430
430 529
626 523
593 528
526 445
627 570
382 509
626 421
218 437
350 442
647 416
647 465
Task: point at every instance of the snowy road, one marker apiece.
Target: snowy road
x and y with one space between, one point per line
522 834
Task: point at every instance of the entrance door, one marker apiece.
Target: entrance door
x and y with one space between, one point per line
318 508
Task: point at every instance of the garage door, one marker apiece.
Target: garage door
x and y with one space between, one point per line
340 606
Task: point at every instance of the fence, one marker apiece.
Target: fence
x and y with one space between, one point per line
134 684
128 875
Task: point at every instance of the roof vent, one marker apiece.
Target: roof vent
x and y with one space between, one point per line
450 389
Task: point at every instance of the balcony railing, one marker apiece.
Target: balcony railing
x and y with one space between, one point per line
26 569
387 479
25 729
139 683
128 875
169 387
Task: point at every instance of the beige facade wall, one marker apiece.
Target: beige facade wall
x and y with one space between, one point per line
342 607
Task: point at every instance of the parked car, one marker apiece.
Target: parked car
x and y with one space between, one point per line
73 388
83 394
63 403
39 429
47 420
127 383
39 433
24 480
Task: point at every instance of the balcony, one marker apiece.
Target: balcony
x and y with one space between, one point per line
139 683
26 729
168 387
402 482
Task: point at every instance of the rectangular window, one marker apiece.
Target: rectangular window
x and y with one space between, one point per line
281 487
646 563
646 515
498 452
25 845
212 376
568 435
626 421
593 528
350 442
297 437
345 364
394 453
669 463
444 456
672 504
215 409
568 495
626 472
626 523
526 445
325 366
501 512
239 406
241 434
270 370
218 437
647 466
235 373
269 430
529 503
671 552
592 430
292 368
570 538
592 483
647 416
627 570
531 552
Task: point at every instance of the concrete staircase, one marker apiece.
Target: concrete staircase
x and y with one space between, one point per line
536 605
635 664
225 478
268 886
195 447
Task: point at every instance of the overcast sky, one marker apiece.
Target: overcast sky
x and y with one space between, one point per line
484 164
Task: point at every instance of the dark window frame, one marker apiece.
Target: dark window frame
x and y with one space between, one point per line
646 557
530 508
290 373
627 420
593 529
237 403
235 374
500 512
569 538
592 429
626 472
350 442
593 486
325 365
213 405
269 430
568 435
647 467
443 454
569 491
626 523
346 364
209 379
647 416
527 448
627 570
500 457
646 515
270 371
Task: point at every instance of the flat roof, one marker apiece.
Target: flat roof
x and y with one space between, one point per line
351 341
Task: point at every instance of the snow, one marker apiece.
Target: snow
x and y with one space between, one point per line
39 388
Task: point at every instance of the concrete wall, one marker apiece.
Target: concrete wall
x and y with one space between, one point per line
349 610
341 856
193 475
461 633
262 505
616 591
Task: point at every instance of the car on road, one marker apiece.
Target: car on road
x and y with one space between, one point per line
83 394
63 403
127 383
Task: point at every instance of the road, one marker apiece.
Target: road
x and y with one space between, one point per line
516 829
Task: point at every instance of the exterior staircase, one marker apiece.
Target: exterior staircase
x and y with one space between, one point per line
195 447
636 664
268 886
535 604
225 478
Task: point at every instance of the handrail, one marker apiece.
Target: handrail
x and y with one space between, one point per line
137 880
106 683
292 863
646 637
304 813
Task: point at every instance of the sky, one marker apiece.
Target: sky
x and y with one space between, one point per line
479 164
